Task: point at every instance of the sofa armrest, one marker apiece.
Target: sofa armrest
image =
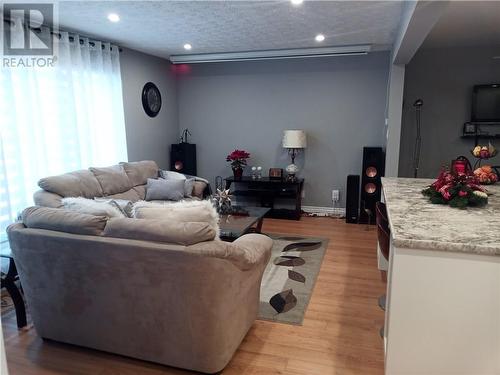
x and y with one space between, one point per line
47 199
257 247
246 253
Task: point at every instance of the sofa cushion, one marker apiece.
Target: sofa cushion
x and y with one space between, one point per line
159 230
184 211
113 180
62 220
74 184
47 199
138 172
198 189
129 195
165 189
93 207
141 191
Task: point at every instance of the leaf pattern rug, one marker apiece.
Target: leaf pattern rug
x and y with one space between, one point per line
289 277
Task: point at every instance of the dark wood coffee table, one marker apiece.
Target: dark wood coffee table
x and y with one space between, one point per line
243 220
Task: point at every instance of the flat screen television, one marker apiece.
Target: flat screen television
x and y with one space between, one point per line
486 103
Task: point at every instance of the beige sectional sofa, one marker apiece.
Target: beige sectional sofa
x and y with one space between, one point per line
168 292
123 181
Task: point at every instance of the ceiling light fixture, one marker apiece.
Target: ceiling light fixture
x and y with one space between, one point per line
319 38
297 53
113 17
296 2
188 46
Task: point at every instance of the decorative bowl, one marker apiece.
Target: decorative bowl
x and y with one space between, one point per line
484 152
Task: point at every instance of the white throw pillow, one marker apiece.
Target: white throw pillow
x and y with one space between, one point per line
91 207
189 181
171 175
183 211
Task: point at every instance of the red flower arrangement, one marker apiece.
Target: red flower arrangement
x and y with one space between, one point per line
238 159
456 189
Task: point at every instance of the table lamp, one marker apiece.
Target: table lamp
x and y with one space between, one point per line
293 141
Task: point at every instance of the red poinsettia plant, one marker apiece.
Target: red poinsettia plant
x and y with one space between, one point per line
238 159
456 189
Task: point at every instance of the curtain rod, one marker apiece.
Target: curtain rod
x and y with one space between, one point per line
92 41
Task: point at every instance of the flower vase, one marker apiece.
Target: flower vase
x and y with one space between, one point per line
237 173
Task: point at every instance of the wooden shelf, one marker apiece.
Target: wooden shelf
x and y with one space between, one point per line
484 136
268 190
483 123
481 134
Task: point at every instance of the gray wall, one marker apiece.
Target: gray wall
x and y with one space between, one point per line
148 138
443 78
339 101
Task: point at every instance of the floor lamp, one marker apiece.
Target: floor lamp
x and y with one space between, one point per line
418 140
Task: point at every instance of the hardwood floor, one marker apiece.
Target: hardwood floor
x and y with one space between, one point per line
339 334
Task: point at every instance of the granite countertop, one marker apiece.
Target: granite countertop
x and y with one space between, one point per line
417 223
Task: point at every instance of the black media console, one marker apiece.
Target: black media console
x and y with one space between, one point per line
267 190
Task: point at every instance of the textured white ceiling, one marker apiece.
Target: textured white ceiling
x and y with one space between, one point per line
467 24
162 27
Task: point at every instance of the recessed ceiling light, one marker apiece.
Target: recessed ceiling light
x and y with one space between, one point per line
319 38
296 2
113 17
187 46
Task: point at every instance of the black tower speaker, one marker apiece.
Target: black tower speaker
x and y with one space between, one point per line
183 158
371 184
352 199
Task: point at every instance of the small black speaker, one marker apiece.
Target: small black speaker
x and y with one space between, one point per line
371 183
183 158
352 199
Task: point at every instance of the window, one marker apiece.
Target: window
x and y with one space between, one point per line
58 119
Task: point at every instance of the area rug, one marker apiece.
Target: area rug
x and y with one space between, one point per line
289 277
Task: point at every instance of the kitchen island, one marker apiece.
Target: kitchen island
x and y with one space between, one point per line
443 288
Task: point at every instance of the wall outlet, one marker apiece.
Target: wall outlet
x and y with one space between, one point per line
335 195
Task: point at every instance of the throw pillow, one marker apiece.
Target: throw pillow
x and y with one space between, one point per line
161 189
184 211
190 181
171 175
91 207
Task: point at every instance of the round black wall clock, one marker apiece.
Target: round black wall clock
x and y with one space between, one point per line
151 99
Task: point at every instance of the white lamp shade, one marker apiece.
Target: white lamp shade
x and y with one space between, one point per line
294 139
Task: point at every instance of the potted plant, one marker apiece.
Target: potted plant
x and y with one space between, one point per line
238 160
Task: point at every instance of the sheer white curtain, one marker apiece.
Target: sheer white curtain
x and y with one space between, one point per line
59 119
